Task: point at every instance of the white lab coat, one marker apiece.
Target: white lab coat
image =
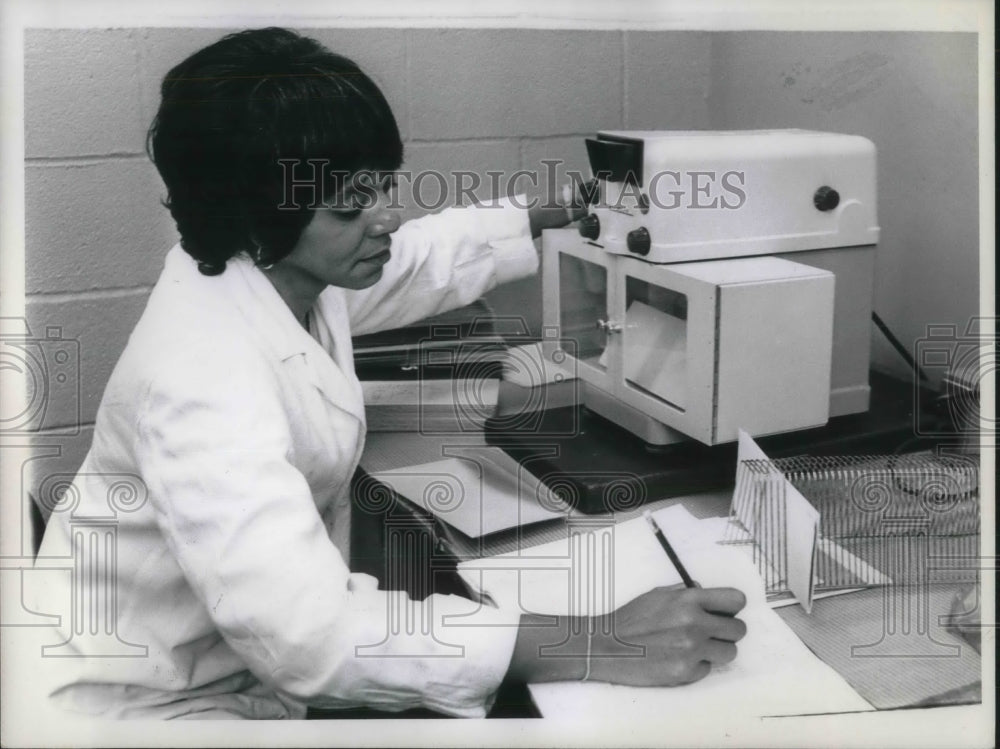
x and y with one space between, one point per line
240 433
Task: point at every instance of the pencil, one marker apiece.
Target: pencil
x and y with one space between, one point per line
674 559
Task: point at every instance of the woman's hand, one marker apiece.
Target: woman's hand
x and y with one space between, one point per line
666 637
560 207
683 633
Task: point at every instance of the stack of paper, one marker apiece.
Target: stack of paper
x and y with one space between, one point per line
440 374
483 491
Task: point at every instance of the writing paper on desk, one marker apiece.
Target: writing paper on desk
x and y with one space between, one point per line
773 674
777 513
447 392
587 573
528 366
481 493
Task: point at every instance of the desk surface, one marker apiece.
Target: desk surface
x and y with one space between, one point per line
889 644
388 450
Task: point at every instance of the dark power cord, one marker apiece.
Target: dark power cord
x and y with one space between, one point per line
898 346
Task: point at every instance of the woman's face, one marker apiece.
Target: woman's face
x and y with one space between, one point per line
346 245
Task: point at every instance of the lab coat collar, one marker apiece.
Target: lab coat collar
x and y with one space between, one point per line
327 370
262 306
260 301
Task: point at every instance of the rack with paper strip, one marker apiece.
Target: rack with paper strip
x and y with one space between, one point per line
907 520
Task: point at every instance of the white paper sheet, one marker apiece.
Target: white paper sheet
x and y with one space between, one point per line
774 673
655 352
480 494
783 522
480 393
744 503
528 366
584 574
801 537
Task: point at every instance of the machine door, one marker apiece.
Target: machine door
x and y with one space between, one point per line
668 346
715 347
577 291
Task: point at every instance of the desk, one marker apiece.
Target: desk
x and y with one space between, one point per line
888 652
388 450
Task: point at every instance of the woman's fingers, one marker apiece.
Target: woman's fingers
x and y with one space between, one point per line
725 601
718 652
727 628
698 671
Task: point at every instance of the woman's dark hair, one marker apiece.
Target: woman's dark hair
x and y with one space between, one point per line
231 113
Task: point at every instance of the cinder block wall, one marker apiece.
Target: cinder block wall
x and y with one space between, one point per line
466 99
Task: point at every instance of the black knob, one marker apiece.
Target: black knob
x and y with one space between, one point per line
638 241
590 191
211 269
826 198
590 226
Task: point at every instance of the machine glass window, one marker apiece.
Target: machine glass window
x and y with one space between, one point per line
583 288
655 341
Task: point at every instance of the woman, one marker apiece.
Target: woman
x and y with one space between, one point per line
236 409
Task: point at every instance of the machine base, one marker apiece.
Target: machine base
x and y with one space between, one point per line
654 433
646 428
601 467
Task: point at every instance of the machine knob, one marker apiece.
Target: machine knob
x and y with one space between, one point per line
590 226
609 326
590 191
638 241
826 198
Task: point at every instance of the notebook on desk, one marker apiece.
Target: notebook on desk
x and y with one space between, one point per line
478 490
600 568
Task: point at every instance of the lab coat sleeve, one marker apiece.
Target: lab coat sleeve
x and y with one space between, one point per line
446 260
239 519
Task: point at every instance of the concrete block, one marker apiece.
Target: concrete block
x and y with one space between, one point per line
667 80
81 92
94 329
478 83
519 300
441 175
570 152
94 225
